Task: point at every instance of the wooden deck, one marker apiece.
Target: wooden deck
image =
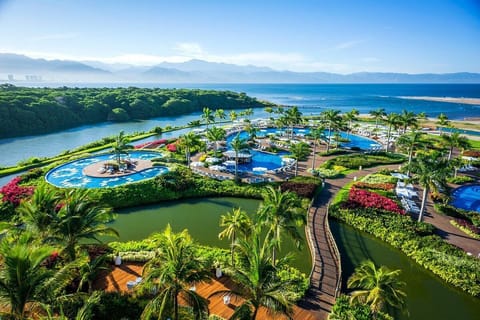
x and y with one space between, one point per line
325 278
116 280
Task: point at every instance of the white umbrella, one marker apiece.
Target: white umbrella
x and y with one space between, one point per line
212 160
197 164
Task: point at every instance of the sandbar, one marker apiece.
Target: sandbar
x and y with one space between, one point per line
475 101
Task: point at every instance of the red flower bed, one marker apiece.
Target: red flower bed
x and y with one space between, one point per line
14 193
302 189
367 199
151 144
464 223
381 186
172 147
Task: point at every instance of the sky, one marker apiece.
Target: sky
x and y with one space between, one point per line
412 36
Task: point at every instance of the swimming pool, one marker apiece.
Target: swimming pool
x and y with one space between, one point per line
70 175
354 140
467 197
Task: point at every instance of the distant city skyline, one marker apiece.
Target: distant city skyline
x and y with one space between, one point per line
304 36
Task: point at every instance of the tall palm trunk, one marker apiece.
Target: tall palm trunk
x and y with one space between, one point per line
175 306
424 203
410 157
450 153
328 138
314 154
236 166
232 248
388 137
296 167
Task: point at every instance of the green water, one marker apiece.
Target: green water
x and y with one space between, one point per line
428 297
200 216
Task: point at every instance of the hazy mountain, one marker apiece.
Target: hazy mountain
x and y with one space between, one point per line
199 71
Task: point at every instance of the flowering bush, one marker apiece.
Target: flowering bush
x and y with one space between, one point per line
302 189
151 144
367 199
380 186
14 193
172 147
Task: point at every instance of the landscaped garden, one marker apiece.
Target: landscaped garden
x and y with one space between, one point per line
51 230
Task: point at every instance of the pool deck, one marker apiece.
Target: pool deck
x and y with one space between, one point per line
93 170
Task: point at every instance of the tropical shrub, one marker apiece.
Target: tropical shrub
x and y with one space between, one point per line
366 199
13 193
460 179
354 161
378 186
445 260
379 178
328 173
471 216
302 189
117 305
466 227
343 310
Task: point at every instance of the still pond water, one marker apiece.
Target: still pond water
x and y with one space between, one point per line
428 296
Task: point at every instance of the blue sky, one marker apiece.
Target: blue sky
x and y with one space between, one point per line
333 36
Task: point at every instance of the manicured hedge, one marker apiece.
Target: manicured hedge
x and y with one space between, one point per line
354 161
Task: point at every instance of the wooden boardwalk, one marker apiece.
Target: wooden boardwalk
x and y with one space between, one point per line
325 278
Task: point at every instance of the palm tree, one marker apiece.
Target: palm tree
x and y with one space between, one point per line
350 117
430 171
235 222
171 274
39 211
220 114
258 282
455 140
293 117
207 116
299 151
80 218
216 134
22 276
407 119
378 287
281 212
238 144
378 115
410 141
89 271
442 122
248 112
422 116
189 141
252 132
316 134
392 121
232 115
333 118
120 146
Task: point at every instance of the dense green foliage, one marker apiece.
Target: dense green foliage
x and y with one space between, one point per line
343 310
26 111
416 241
471 216
177 184
354 161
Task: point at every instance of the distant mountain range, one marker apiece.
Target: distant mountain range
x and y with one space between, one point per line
19 67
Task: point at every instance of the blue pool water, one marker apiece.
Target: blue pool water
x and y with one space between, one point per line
467 197
70 175
274 161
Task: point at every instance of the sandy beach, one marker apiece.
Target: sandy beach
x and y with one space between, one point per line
474 101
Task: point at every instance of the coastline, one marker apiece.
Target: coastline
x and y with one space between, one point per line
472 101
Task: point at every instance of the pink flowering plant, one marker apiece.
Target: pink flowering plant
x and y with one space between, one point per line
360 198
14 193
